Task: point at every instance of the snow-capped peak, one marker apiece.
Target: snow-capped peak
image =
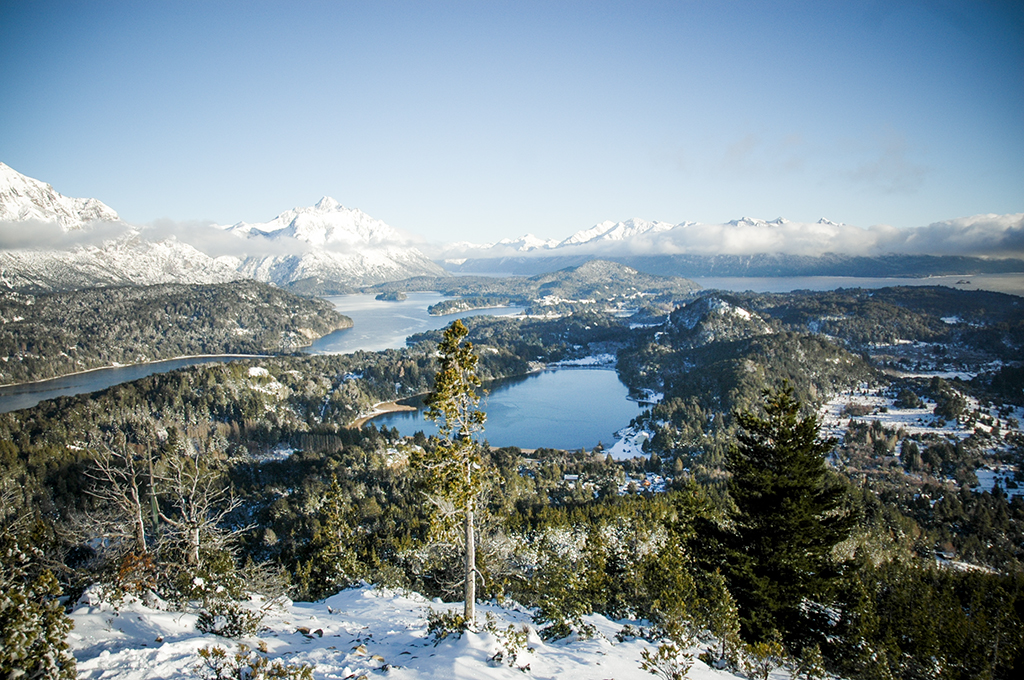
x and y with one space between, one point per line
23 198
326 222
528 242
328 204
830 223
616 231
756 222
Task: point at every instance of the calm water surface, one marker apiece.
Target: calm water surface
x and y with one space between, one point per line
379 325
14 397
567 408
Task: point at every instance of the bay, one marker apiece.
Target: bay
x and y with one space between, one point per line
379 325
565 408
26 395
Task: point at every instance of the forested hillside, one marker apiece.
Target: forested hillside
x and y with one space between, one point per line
593 286
48 335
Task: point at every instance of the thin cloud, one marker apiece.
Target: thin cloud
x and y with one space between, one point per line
892 171
37 234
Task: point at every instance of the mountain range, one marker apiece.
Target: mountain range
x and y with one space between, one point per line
52 242
49 241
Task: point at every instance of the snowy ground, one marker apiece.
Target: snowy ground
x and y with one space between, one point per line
834 419
629 443
364 632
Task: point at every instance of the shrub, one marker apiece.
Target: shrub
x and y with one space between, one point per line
443 624
229 619
512 642
761 658
671 661
247 664
33 625
810 665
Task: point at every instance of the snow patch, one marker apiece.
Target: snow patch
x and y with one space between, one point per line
361 632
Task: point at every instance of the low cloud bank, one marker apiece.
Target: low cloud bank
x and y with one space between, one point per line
36 234
980 235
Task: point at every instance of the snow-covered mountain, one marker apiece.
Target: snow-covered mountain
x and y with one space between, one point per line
127 260
984 236
607 233
23 198
617 231
328 242
51 242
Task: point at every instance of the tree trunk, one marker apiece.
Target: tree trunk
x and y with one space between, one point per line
140 528
193 546
470 593
154 506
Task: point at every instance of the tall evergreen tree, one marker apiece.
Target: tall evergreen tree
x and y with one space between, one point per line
790 511
453 466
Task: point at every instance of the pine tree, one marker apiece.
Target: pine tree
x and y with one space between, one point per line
453 466
789 513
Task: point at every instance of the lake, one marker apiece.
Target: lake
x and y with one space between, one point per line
385 325
379 325
565 408
14 397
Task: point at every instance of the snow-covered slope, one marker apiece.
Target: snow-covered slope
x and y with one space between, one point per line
125 260
617 231
359 633
330 242
23 198
89 246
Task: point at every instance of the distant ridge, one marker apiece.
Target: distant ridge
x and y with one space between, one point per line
761 265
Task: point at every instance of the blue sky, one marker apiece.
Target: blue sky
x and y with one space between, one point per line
481 120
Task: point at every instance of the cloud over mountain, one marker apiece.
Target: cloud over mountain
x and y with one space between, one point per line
979 235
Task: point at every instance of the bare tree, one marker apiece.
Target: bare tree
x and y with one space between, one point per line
199 503
123 480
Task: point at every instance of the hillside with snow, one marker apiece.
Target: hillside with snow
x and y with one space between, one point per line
127 260
363 632
23 198
52 242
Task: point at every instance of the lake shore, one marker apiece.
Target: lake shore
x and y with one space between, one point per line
211 357
379 410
